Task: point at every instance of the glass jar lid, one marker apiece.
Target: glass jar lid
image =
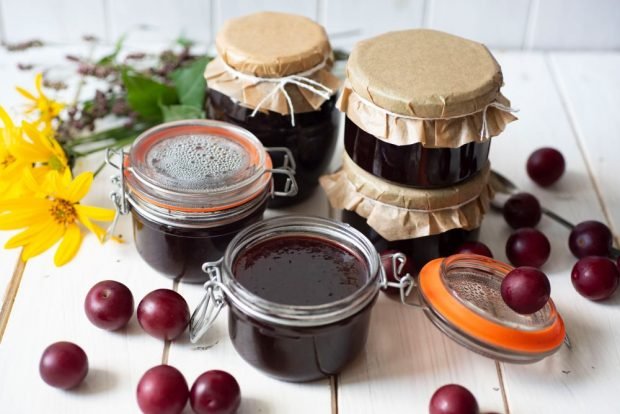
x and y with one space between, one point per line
197 166
462 298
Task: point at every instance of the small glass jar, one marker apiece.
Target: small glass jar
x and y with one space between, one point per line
191 186
420 250
311 141
414 165
293 342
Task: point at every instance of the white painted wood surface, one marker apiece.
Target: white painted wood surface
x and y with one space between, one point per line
514 24
566 100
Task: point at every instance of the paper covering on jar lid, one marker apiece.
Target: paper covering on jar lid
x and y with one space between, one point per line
424 86
397 212
264 54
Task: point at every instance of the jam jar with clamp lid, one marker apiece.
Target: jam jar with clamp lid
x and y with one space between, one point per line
190 187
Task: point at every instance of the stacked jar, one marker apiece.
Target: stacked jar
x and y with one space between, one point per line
272 76
421 107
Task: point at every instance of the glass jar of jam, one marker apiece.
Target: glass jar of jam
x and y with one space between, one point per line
191 186
414 164
421 107
272 76
300 292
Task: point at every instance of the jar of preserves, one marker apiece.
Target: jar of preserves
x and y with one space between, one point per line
306 286
190 187
421 107
273 77
422 223
303 286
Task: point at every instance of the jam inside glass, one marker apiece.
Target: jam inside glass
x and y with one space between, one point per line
295 270
178 252
312 140
414 165
300 291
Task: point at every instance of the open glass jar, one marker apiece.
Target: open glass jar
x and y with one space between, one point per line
303 333
294 333
190 187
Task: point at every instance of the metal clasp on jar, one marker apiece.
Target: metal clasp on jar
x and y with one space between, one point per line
116 159
212 302
404 283
287 169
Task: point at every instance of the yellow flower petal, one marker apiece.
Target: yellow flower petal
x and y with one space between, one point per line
27 236
25 204
38 82
17 219
69 245
25 93
95 213
6 119
95 229
79 187
48 237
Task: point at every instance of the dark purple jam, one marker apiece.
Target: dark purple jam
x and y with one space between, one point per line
312 140
178 252
414 165
420 250
300 271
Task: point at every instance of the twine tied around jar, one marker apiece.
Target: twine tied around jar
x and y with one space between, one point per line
484 129
300 79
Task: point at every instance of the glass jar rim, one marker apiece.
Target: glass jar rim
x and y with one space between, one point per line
474 327
245 184
302 315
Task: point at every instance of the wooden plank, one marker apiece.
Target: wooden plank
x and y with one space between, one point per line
589 84
472 19
61 21
575 24
581 379
348 22
159 21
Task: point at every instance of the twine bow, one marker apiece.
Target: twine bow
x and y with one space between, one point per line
300 79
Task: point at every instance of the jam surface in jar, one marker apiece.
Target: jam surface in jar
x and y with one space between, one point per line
414 165
312 140
301 271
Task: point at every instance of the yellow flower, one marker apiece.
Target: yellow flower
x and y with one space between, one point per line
51 213
32 146
11 168
47 108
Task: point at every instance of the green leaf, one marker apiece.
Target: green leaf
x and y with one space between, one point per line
146 96
109 59
190 83
180 112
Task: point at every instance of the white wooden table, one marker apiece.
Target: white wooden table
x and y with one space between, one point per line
567 100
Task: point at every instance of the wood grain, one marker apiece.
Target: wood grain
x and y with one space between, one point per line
572 381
